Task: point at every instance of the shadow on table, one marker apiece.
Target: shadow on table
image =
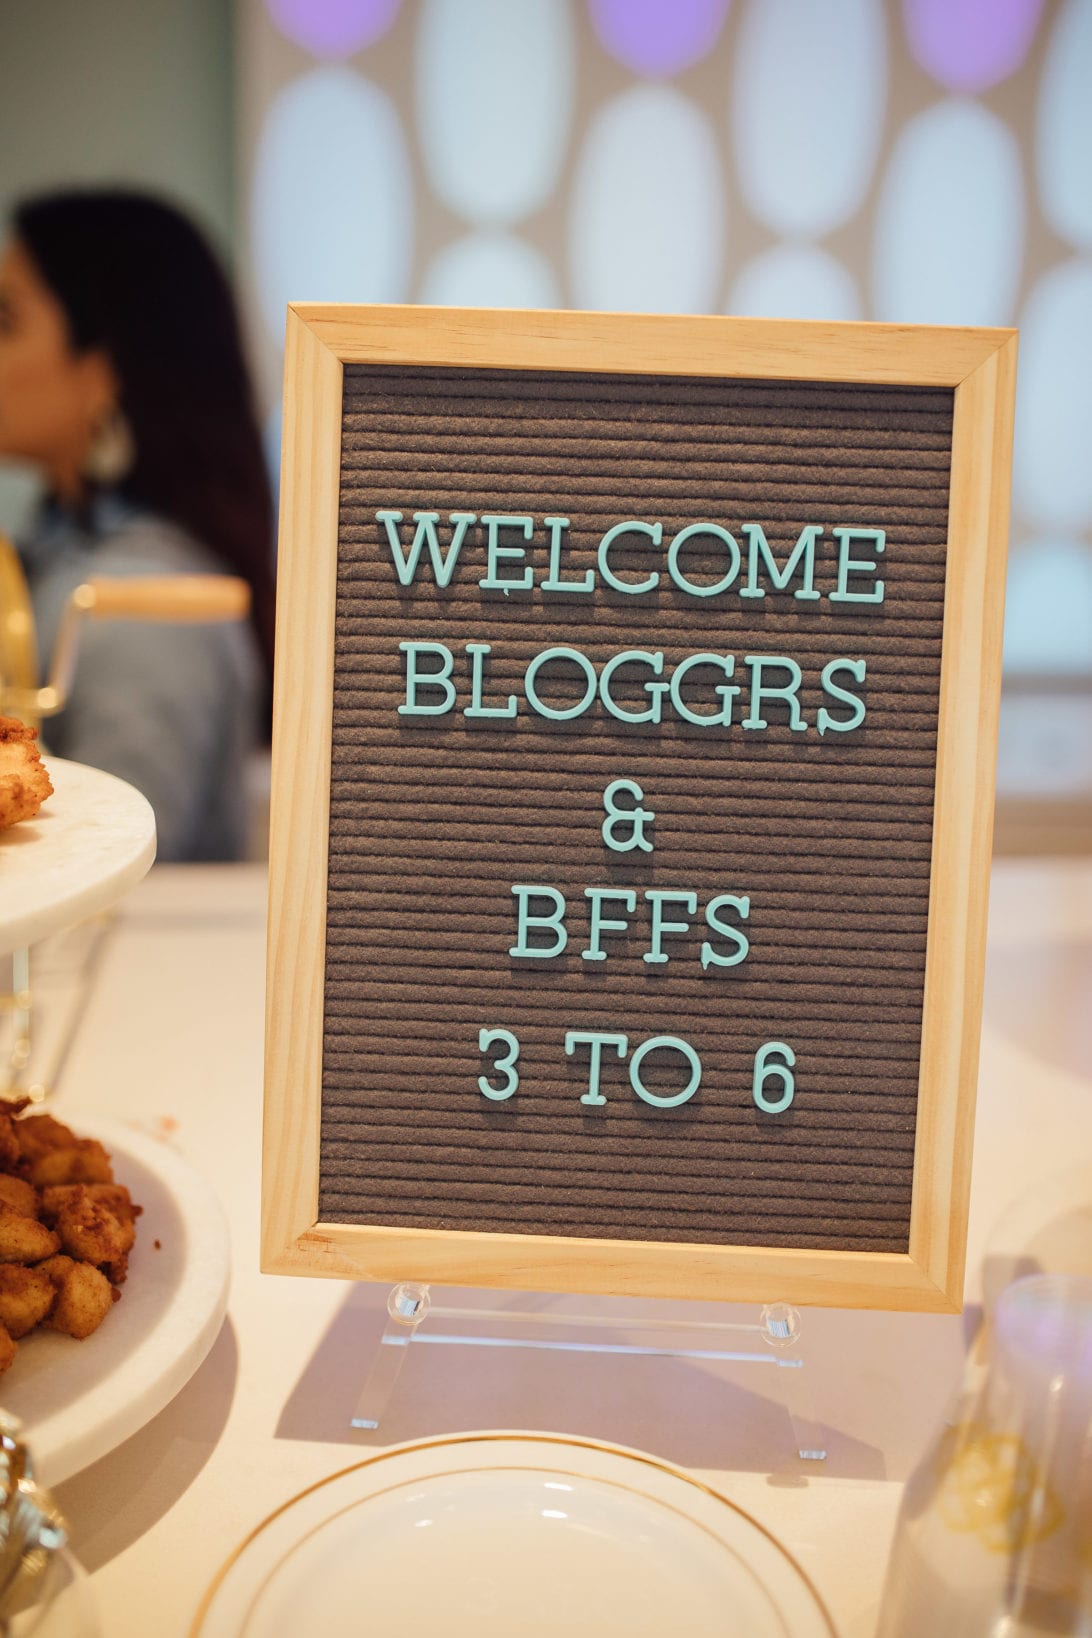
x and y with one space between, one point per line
115 1501
695 1413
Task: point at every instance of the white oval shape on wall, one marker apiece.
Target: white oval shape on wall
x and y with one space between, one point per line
332 203
494 103
1064 134
948 236
1053 466
795 282
646 221
808 96
490 269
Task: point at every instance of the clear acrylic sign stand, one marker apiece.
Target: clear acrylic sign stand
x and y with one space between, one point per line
770 1342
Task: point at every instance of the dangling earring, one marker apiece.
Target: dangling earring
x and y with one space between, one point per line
111 452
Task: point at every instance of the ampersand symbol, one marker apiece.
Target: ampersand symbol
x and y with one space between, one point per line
635 817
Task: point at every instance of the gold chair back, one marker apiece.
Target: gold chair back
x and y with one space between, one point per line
192 598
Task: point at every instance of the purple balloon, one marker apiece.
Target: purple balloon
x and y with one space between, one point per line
968 45
333 28
658 36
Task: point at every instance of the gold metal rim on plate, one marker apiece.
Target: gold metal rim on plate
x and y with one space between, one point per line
494 1437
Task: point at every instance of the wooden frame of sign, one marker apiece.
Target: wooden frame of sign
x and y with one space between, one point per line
927 1273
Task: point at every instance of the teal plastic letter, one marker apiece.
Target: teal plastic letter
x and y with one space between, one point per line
857 565
525 921
595 1040
590 679
443 564
494 551
762 690
758 547
655 533
742 905
783 1070
676 1045
505 1065
636 817
655 691
727 691
599 923
416 680
680 540
841 725
658 897
553 581
477 652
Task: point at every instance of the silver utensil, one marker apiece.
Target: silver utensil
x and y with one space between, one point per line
31 1528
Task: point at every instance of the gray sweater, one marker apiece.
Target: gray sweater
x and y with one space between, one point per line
169 708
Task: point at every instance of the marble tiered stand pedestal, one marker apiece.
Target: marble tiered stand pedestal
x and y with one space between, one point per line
93 840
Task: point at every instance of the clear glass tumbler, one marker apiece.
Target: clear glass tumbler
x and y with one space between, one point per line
994 1538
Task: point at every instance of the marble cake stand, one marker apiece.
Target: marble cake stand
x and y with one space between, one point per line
92 841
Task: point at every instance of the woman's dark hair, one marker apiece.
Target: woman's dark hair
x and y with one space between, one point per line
138 280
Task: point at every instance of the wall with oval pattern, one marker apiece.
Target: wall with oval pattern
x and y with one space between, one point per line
906 160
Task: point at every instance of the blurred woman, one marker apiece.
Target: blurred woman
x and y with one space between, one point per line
122 379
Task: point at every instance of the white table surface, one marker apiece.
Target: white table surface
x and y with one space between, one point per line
172 1040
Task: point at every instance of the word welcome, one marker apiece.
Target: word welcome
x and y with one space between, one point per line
506 566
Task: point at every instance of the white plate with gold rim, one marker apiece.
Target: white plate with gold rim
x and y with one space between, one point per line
492 1535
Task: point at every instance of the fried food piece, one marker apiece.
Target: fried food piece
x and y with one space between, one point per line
114 1196
89 1230
62 1212
24 783
19 1195
24 1239
84 1299
118 1271
86 1161
26 1296
38 1134
9 1144
56 1269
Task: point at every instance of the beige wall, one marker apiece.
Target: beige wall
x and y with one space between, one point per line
120 90
136 91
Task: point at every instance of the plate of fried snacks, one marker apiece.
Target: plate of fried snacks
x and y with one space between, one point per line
114 1263
72 839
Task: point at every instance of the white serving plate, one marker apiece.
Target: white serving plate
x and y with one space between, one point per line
494 1535
78 1400
93 839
